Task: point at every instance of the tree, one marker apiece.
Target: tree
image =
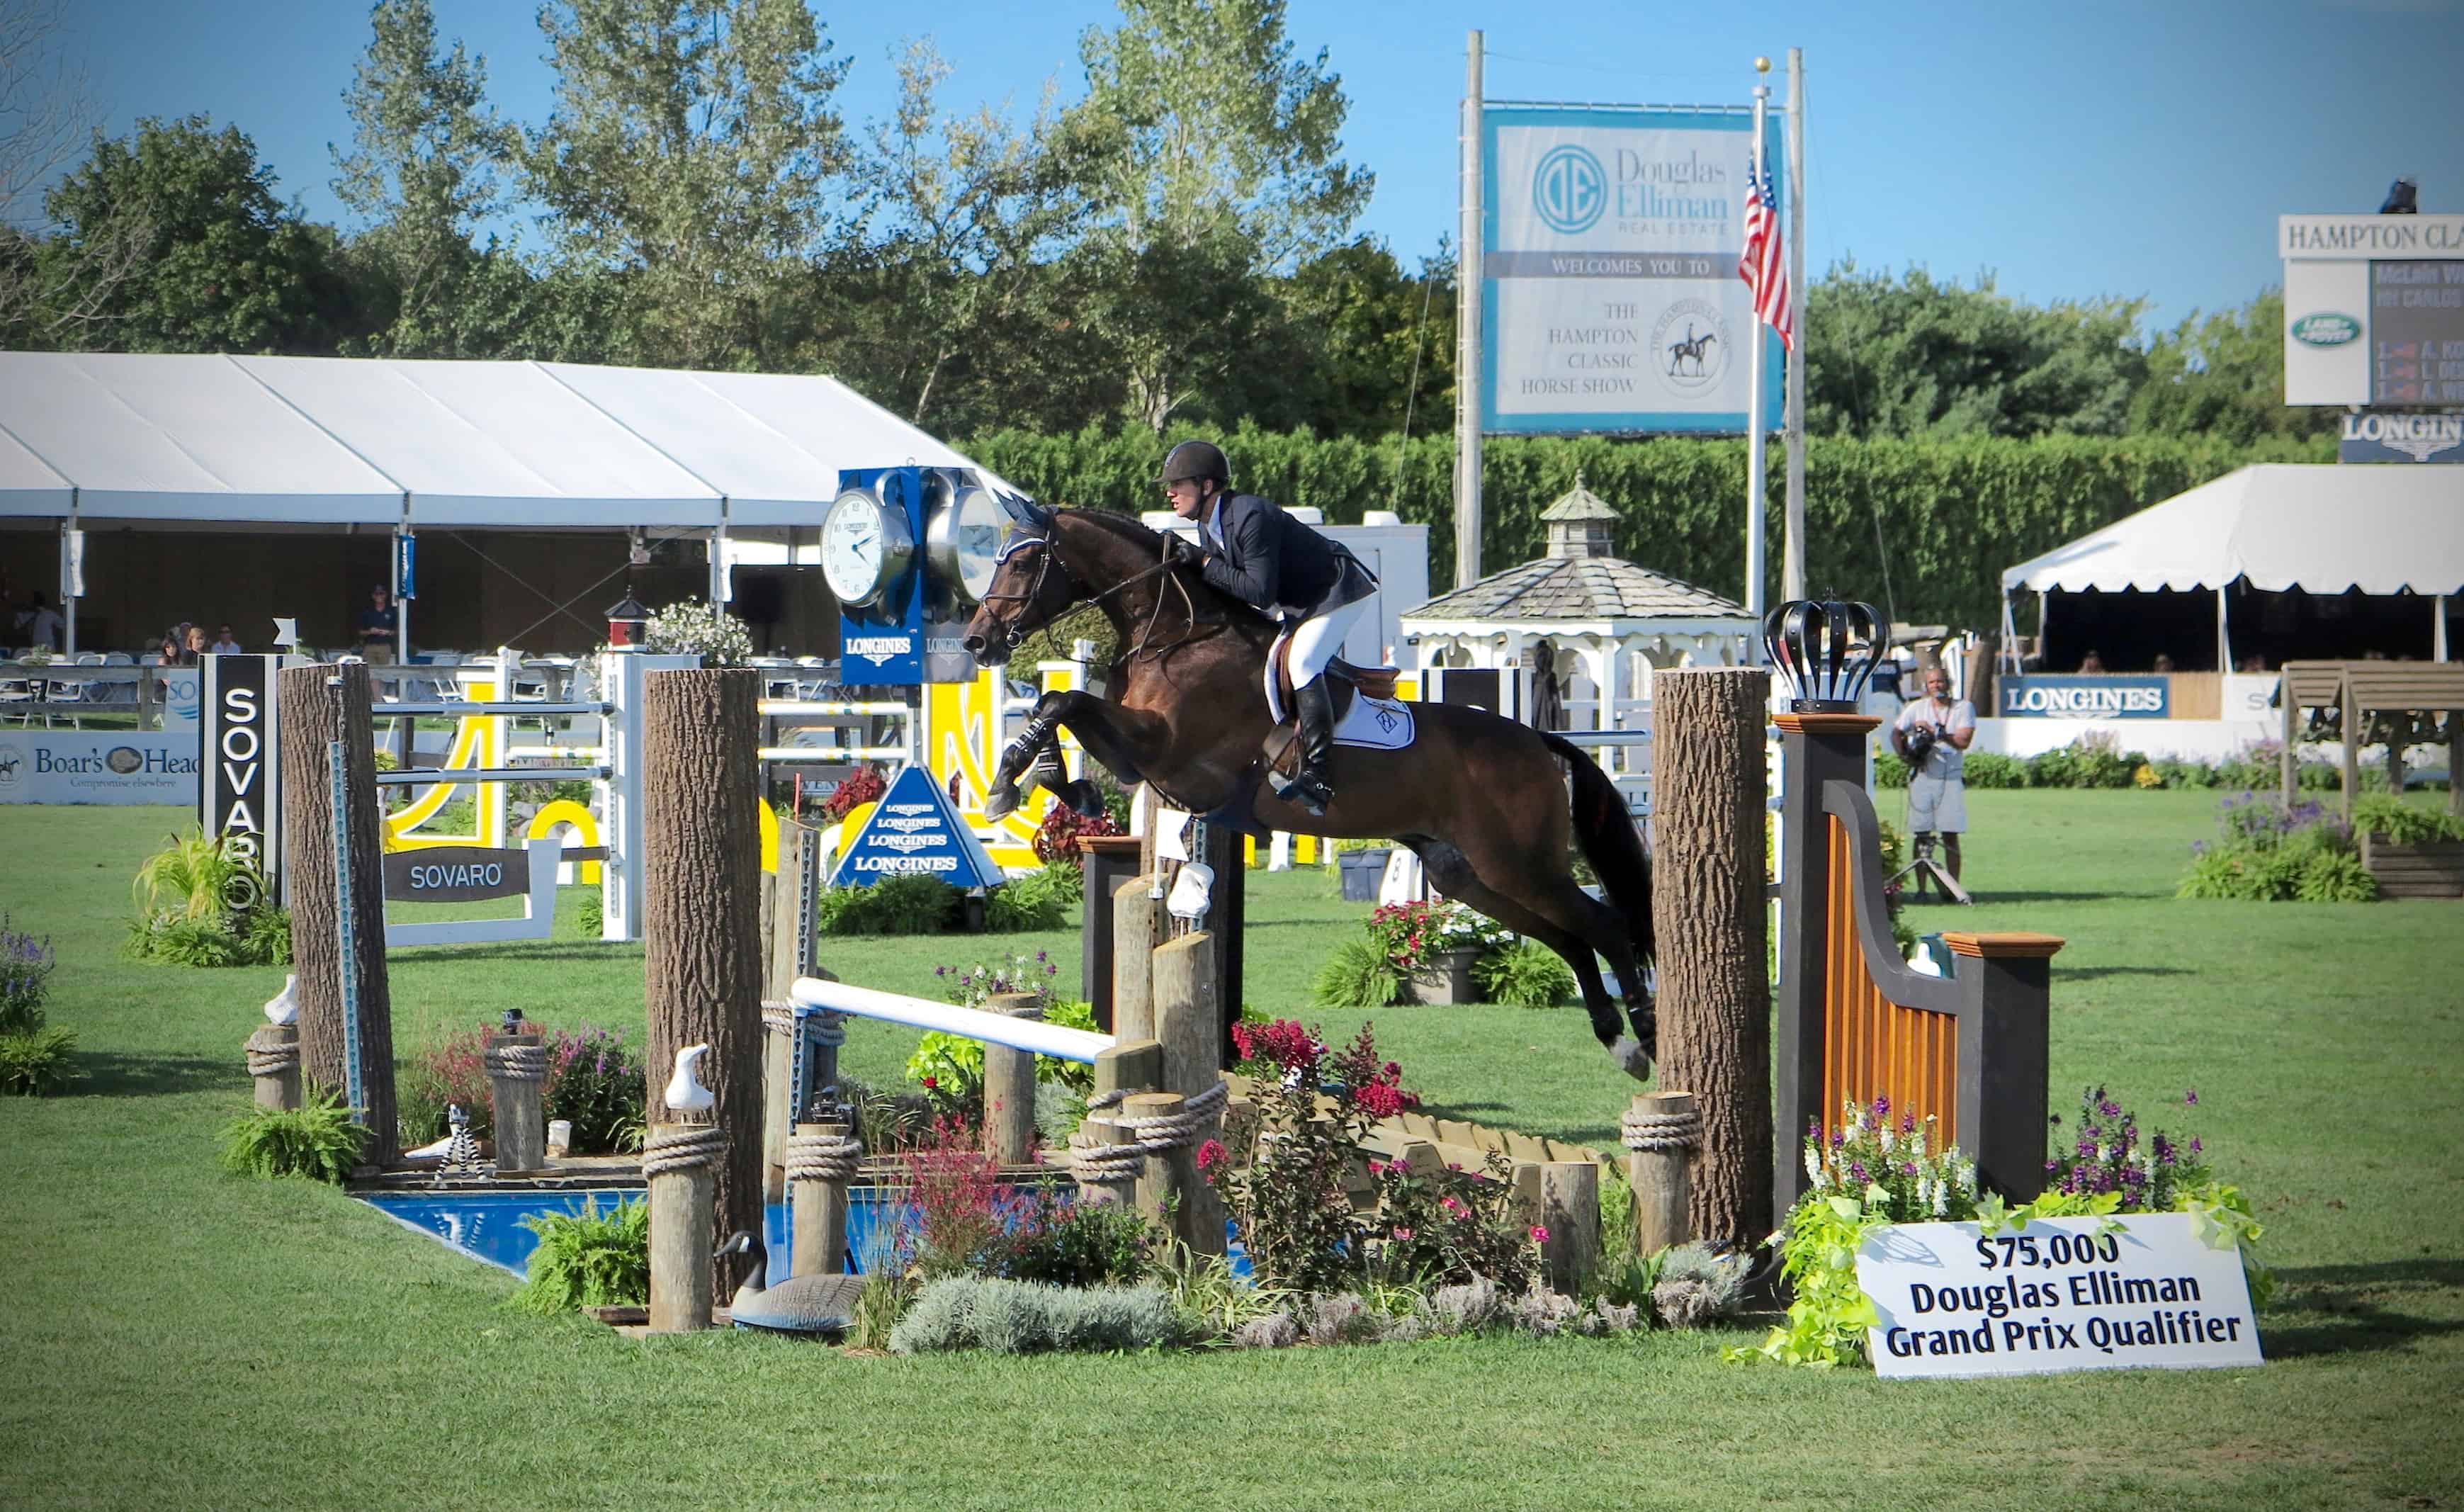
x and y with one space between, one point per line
1217 161
688 150
45 117
426 170
960 222
2223 376
1912 357
1367 348
219 265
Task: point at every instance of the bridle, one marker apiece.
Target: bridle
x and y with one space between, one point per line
1014 631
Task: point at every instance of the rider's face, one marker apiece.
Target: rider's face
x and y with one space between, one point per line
1188 495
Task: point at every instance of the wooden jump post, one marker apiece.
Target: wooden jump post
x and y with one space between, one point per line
701 874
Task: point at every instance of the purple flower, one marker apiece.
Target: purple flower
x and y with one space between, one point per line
1857 1169
1882 1107
2190 1096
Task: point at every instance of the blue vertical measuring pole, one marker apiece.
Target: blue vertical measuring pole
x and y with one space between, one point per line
338 796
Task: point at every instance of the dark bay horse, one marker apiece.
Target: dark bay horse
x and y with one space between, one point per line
1481 800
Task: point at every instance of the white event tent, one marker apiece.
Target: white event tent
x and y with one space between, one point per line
2326 529
205 441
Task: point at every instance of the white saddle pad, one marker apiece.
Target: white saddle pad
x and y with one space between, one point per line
1380 724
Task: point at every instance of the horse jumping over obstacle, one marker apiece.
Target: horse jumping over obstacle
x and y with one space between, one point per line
1481 800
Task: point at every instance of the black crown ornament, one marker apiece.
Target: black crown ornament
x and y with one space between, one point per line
1826 650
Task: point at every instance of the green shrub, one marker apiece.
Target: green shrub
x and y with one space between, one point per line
318 1141
265 936
2403 823
1889 771
1698 1285
2335 876
196 876
1048 898
590 913
908 904
1009 1317
195 942
1074 1243
36 1063
585 1260
1525 974
1357 976
1991 769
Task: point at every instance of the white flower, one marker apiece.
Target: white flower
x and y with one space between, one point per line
1941 1200
1886 1139
1813 1164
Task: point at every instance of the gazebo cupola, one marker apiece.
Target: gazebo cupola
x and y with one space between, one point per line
1579 524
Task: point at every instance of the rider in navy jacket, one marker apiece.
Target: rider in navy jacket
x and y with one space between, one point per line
1258 554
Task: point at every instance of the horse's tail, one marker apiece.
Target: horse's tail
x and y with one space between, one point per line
1612 845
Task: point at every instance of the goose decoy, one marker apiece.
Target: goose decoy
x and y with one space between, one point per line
283 1007
685 1093
818 1305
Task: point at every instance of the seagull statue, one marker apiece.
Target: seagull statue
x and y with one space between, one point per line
685 1093
283 1007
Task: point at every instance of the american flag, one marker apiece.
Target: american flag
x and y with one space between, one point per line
1761 266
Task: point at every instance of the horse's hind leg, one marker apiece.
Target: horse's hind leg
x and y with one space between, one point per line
1566 920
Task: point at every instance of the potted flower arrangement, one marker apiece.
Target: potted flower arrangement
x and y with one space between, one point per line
1435 947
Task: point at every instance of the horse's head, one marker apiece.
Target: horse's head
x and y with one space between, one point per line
1032 587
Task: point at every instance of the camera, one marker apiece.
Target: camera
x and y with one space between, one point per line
1916 743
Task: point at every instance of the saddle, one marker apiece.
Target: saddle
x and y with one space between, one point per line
1344 683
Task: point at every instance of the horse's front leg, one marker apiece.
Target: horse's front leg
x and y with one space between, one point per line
1112 735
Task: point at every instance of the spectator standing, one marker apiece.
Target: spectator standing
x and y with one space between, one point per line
2091 665
1937 793
192 645
376 627
38 623
227 647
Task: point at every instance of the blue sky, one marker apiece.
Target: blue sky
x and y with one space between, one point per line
2076 150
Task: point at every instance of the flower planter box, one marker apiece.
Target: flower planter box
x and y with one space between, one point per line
1445 978
2431 870
1362 870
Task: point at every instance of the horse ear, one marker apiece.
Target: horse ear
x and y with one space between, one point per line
1023 510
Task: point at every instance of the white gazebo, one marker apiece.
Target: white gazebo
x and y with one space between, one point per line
1610 622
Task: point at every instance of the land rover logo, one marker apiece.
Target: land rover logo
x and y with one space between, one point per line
124 760
2326 328
1569 189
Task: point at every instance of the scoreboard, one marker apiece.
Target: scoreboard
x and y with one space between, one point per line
2417 332
2374 310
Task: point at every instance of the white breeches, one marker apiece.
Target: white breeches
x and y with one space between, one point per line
1319 640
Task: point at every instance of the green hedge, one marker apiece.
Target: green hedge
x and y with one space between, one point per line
1953 513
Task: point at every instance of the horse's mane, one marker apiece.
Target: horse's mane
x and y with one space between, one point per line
1149 540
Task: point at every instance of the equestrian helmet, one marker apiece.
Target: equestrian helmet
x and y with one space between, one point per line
1197 459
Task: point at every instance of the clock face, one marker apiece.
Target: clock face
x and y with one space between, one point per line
966 542
865 547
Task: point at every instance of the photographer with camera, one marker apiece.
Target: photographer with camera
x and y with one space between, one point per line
1930 734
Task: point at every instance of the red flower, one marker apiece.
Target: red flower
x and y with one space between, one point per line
1211 1154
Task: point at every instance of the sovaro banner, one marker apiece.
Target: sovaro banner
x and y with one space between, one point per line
1609 295
237 791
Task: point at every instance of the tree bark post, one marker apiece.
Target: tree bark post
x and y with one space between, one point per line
1010 1086
1710 919
822 1163
1570 1211
1169 1180
702 964
273 1060
319 706
516 1089
1189 1022
1138 927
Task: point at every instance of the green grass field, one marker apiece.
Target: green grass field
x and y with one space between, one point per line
178 1337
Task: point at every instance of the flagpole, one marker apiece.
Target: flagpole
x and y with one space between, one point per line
1756 478
1792 576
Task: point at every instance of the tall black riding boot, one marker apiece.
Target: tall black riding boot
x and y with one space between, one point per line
1315 707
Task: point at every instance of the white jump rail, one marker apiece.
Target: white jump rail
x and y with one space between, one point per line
968 1024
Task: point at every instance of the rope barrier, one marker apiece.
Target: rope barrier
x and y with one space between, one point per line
824 1157
273 1059
518 1063
1157 1134
687 1149
1650 1132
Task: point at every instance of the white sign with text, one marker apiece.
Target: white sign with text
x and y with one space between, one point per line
2060 1294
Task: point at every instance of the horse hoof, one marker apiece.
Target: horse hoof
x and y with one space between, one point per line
1631 1058
999 803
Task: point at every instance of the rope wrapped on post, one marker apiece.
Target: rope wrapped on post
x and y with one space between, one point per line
518 1063
1110 1163
826 1028
689 1148
1648 1131
824 1157
778 1016
273 1059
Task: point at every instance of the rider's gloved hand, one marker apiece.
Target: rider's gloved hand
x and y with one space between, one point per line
1180 547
